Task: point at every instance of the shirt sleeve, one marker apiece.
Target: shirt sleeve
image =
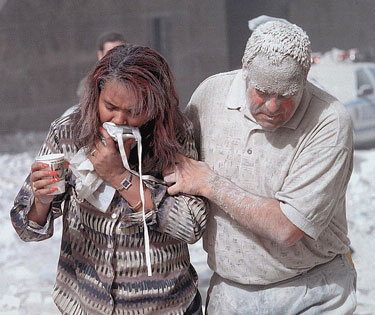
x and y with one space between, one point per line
181 216
27 229
313 192
315 188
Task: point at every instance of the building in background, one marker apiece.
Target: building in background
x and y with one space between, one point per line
47 46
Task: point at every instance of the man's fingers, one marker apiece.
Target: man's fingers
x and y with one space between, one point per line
173 190
168 170
184 162
170 178
180 158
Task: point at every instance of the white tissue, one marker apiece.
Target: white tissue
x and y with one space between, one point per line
89 185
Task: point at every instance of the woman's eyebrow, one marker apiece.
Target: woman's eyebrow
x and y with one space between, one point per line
109 103
116 106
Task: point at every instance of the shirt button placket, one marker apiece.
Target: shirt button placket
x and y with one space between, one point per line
249 141
114 216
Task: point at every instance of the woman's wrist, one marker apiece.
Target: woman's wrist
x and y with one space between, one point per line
118 178
39 212
129 189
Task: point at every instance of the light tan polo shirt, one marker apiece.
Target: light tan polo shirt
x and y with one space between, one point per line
306 165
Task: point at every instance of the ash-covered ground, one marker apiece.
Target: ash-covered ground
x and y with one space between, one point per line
28 269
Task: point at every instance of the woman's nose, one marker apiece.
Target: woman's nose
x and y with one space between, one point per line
120 118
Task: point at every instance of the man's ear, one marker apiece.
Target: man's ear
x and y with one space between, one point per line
304 81
245 71
100 54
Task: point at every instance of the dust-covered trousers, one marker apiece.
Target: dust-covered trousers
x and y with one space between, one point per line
326 289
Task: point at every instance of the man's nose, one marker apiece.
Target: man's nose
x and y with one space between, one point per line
273 104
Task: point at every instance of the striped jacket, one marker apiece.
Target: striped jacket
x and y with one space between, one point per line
102 267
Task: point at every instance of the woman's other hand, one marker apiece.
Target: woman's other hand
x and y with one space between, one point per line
41 177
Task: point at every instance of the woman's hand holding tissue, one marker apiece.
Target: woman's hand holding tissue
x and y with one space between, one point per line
106 159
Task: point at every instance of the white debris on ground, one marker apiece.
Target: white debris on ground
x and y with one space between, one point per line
28 269
361 214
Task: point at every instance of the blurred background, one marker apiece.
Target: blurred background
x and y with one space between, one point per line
47 47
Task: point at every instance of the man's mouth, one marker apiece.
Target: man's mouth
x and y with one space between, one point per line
271 117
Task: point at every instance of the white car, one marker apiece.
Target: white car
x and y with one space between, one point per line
352 83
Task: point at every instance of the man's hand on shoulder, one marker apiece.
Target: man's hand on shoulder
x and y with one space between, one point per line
188 176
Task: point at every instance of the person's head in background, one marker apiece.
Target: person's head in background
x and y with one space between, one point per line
133 85
107 41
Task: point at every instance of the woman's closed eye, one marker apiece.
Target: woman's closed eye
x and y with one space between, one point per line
110 107
134 112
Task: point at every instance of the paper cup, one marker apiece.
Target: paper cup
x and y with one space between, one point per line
56 163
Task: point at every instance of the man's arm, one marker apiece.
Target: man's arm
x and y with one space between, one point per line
261 216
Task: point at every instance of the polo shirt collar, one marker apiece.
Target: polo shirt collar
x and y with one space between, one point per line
301 110
238 100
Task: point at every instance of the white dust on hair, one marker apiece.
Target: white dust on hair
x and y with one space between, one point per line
277 40
285 79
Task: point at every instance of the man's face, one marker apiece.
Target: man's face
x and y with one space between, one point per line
274 91
107 47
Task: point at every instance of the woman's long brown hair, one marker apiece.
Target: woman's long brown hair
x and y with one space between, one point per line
147 74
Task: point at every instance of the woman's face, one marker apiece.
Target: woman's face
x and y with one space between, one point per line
117 104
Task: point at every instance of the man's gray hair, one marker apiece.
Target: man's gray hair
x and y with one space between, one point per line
277 40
